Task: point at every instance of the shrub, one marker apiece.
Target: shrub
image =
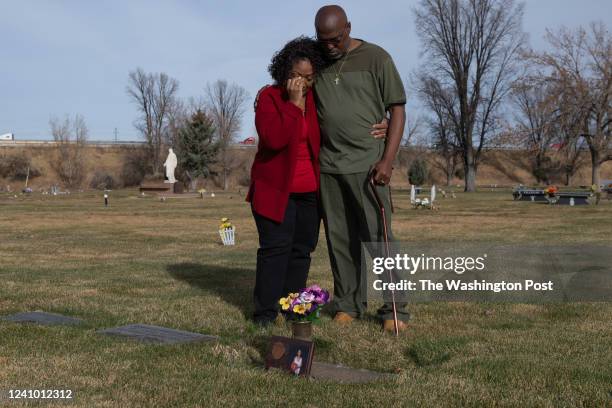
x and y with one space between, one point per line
244 180
135 166
460 173
103 181
70 165
70 138
17 166
417 173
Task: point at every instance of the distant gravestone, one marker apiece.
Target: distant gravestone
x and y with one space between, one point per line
156 334
523 194
44 318
347 375
574 198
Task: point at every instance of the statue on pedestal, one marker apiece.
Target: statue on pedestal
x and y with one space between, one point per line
170 164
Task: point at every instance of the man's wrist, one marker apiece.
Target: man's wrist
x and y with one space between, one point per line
386 160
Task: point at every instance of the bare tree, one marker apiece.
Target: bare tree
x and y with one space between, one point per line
571 149
535 124
226 106
178 117
571 145
580 68
155 97
71 139
412 130
471 48
60 130
440 124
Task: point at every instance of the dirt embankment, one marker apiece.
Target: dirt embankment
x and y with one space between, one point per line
497 167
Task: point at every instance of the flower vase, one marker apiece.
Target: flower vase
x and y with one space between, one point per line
227 235
301 329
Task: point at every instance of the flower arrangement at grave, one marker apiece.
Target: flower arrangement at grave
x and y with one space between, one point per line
551 190
305 305
422 202
226 231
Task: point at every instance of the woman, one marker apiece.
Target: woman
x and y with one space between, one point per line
296 364
285 176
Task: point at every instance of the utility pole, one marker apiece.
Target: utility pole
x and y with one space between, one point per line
116 133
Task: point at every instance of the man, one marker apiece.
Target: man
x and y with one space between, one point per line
356 90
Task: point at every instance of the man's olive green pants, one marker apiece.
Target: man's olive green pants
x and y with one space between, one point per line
352 216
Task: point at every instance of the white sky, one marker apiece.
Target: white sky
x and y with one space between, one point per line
67 56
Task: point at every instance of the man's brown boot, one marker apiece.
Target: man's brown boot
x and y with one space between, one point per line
343 318
388 326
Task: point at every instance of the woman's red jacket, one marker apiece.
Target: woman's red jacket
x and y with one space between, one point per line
279 124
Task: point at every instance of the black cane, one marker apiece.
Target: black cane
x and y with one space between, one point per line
388 252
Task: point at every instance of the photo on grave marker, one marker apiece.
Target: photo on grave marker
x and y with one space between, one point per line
291 355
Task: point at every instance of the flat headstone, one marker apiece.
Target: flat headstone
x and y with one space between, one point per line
49 319
156 186
157 334
348 375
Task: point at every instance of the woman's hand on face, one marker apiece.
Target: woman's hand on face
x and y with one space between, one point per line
295 89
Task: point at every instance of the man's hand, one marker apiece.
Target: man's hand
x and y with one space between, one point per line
382 172
383 169
379 130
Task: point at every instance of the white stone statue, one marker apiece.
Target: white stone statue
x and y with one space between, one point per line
170 165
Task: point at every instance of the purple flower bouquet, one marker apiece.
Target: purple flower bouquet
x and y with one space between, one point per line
305 305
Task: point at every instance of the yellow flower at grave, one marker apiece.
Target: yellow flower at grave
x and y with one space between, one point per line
285 303
302 308
299 309
225 223
294 295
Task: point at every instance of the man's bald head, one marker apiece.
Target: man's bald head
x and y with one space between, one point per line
330 19
333 31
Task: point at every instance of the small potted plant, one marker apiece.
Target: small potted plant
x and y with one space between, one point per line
550 192
303 308
226 231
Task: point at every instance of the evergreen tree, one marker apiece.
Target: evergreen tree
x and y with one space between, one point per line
417 173
197 149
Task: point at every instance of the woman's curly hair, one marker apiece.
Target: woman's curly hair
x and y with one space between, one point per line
295 50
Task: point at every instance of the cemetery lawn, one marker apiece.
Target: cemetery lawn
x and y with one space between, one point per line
146 261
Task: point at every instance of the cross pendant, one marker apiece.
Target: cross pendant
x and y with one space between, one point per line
337 80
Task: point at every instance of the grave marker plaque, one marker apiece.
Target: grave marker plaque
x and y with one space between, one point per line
44 318
156 334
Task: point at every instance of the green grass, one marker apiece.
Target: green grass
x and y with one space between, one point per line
146 261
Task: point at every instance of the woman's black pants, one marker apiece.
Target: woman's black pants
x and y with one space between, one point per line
283 257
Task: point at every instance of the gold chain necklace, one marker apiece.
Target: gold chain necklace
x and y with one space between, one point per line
337 79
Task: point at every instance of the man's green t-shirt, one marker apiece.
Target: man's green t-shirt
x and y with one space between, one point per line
368 83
